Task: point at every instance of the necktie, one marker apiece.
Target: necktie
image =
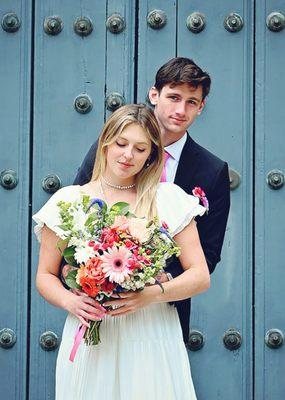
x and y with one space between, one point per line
166 157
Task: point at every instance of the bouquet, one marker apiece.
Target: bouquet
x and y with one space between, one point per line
110 250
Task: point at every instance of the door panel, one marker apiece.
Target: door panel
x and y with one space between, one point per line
225 128
269 205
68 65
15 70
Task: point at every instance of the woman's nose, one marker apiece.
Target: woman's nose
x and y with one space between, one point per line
128 152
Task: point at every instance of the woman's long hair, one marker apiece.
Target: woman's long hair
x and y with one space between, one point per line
148 178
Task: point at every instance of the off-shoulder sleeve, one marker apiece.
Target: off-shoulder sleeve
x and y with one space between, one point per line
176 207
49 214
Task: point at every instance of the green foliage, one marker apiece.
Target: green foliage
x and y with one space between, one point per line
70 280
61 244
120 208
68 255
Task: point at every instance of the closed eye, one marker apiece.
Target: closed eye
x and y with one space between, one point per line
120 144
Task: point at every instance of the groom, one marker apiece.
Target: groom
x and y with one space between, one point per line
178 97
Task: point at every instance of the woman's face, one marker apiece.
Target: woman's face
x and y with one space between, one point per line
128 154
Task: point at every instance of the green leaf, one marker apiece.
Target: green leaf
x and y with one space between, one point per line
68 255
70 280
120 208
91 218
61 243
63 227
130 215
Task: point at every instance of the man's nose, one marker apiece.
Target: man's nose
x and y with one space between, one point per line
180 107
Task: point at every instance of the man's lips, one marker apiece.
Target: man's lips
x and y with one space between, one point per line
178 119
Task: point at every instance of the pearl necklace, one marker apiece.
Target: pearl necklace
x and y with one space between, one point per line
117 186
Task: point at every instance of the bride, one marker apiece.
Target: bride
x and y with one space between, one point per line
141 354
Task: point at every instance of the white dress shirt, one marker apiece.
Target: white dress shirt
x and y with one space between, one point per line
175 150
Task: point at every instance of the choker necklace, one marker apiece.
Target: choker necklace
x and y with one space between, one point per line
118 186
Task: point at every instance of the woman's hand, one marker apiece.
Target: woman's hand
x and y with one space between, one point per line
84 308
129 302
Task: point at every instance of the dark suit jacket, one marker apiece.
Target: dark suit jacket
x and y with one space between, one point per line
197 167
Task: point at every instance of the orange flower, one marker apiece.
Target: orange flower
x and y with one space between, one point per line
89 286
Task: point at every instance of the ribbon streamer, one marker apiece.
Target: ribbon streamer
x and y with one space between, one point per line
77 340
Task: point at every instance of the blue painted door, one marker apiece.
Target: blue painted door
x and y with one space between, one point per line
15 98
62 72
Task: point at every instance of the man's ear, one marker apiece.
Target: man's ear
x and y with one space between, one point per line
153 95
202 105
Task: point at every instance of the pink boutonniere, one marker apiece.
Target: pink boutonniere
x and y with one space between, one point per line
198 192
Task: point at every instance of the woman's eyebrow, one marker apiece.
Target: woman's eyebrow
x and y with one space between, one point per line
121 137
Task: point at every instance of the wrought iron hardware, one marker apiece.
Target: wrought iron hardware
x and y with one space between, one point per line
53 25
83 26
10 22
275 179
115 23
83 104
196 341
196 22
8 179
156 19
234 179
114 101
49 341
232 339
233 22
275 21
274 338
51 183
7 338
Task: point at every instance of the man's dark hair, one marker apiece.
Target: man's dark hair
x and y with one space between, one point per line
182 70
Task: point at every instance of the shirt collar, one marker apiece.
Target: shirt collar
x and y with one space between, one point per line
175 149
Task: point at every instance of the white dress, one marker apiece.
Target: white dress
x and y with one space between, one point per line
141 355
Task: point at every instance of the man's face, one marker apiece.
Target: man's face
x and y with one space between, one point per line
176 108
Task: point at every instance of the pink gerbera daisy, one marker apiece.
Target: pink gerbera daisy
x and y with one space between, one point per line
114 264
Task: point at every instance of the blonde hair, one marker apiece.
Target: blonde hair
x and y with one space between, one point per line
149 176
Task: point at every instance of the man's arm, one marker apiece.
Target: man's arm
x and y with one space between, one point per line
84 173
212 227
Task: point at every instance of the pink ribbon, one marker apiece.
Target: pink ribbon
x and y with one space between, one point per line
77 340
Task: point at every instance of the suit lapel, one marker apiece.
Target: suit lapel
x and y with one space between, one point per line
187 165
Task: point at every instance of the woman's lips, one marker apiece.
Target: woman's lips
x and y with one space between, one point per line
126 165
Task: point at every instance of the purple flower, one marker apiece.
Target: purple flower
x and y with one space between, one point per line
165 232
205 202
96 201
99 202
198 192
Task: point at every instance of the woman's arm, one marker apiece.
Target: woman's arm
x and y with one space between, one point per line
194 280
50 286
